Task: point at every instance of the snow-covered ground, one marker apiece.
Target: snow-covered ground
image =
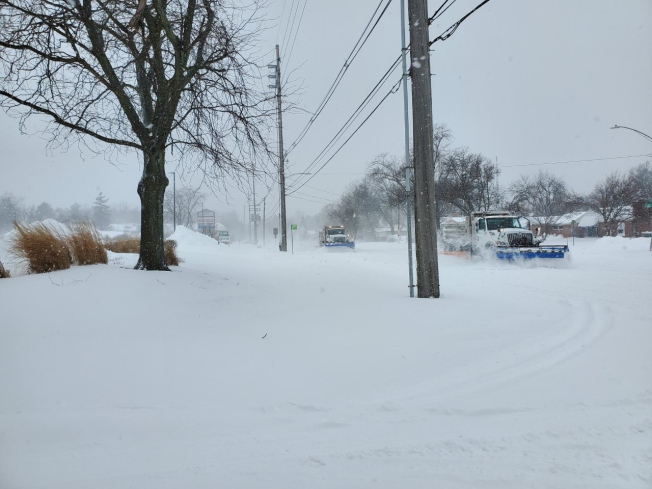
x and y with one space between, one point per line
249 368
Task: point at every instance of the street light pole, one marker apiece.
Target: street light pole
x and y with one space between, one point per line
408 163
649 138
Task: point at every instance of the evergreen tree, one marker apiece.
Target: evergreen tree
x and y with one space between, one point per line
8 211
44 211
101 212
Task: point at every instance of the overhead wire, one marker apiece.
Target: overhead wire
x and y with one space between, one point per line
444 36
315 197
321 190
289 57
575 161
451 30
353 117
287 24
439 12
278 33
307 200
338 79
391 91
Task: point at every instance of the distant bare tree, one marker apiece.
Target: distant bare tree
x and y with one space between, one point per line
612 199
442 137
357 209
469 181
154 76
188 201
545 197
386 175
641 177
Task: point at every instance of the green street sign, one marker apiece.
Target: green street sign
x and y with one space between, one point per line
648 203
293 227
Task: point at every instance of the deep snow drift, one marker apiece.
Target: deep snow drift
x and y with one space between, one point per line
249 368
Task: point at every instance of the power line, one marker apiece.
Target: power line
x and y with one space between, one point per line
439 12
280 21
392 90
451 30
296 33
352 55
325 191
272 213
353 116
575 161
315 197
307 200
287 25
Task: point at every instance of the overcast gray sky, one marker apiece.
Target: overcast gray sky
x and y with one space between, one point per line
524 81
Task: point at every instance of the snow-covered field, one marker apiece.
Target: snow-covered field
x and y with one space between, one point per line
249 368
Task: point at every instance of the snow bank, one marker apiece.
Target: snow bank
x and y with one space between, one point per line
187 238
618 243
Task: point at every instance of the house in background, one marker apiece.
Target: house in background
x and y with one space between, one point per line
586 224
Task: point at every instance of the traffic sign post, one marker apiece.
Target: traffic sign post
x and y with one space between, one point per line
293 227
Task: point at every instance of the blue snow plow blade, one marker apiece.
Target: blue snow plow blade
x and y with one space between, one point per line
549 251
339 245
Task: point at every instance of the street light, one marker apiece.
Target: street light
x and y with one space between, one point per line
635 130
649 203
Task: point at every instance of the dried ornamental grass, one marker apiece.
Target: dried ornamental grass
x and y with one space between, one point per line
42 248
123 244
170 253
86 244
4 273
128 244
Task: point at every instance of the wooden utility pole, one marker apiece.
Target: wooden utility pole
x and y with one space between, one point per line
424 167
283 246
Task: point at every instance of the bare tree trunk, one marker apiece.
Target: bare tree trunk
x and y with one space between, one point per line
151 190
423 141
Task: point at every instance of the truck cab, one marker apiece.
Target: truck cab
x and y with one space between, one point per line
500 229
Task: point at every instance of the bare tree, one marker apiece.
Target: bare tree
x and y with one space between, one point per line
468 181
357 209
169 74
386 176
442 137
612 199
641 177
545 197
188 200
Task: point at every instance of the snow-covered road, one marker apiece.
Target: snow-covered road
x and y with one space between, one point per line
250 368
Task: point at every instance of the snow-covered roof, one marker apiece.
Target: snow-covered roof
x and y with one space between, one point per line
583 219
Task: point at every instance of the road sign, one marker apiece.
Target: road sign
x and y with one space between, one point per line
275 232
293 227
648 203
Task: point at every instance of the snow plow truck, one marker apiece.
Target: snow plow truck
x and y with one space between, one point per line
507 236
335 236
